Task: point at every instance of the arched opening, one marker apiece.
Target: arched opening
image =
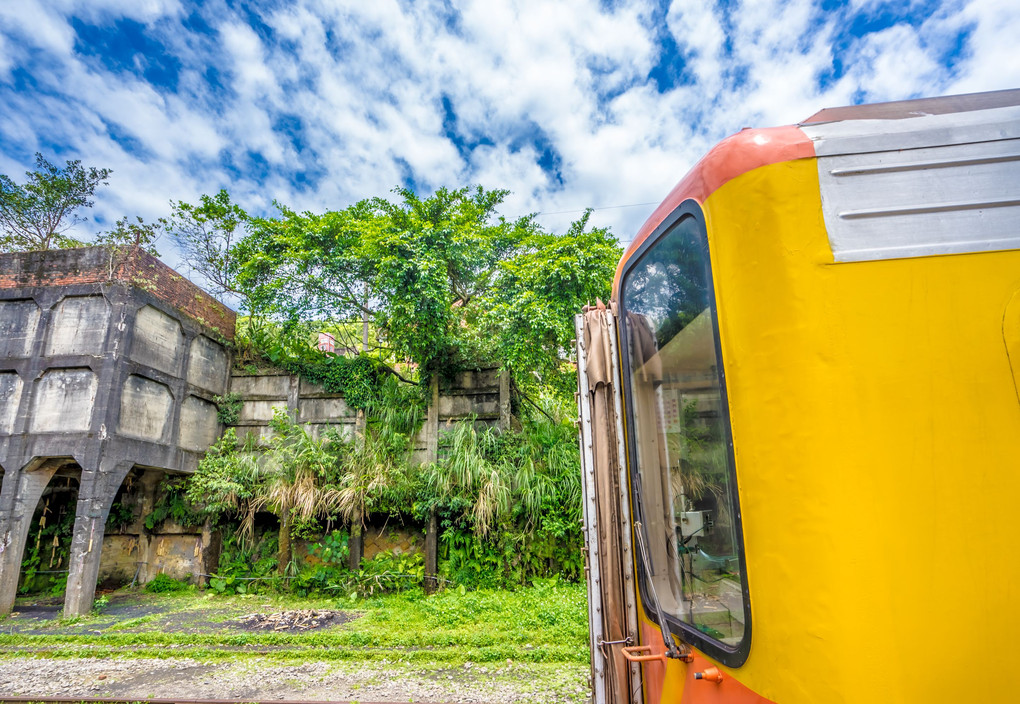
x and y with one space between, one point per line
44 563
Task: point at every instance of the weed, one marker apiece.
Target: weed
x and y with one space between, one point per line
546 623
162 583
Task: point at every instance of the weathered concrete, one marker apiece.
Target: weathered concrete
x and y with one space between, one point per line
78 326
199 427
63 401
144 408
207 365
10 397
96 368
18 323
157 341
95 497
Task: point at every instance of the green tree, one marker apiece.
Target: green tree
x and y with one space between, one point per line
527 312
447 282
36 214
415 267
207 234
126 234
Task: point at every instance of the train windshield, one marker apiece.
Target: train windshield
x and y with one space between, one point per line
679 440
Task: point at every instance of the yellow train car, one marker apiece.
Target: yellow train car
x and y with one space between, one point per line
800 423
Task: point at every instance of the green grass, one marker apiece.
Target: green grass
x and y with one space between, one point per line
546 623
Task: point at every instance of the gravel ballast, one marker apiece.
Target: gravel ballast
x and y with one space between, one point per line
186 678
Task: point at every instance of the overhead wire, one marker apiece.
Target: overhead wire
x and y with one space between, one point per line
604 207
623 243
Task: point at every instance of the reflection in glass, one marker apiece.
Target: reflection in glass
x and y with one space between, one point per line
680 435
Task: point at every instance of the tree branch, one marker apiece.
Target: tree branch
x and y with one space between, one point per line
394 372
525 397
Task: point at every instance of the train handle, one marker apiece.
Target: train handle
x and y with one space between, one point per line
633 654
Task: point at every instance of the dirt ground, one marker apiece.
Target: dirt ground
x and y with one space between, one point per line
42 616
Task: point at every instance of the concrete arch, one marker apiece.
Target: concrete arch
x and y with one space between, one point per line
19 497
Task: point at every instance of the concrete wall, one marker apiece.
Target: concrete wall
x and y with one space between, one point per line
10 398
158 340
63 401
78 326
198 425
145 407
207 365
18 323
472 396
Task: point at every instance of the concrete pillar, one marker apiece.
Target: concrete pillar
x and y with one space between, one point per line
150 481
21 492
95 497
504 400
208 557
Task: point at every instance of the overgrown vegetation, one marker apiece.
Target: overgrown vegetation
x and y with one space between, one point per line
44 565
228 408
424 287
414 290
163 584
546 622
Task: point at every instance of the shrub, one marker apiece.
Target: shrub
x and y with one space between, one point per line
162 584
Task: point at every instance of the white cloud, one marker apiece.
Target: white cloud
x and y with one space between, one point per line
361 86
993 62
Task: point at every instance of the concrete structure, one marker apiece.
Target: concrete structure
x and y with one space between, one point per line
109 366
109 360
479 395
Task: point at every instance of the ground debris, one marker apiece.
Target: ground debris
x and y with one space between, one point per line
297 620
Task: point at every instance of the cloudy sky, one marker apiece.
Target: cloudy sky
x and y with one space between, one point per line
569 104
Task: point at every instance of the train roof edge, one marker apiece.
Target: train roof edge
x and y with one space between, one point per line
752 148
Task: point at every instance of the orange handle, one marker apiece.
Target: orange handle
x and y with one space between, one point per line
631 653
711 674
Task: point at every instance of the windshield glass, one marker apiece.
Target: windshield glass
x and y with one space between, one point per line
680 433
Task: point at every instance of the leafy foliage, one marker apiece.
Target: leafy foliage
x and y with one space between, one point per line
127 234
164 584
207 234
36 214
121 514
357 378
440 284
228 408
174 505
246 566
447 282
510 504
288 347
48 549
530 310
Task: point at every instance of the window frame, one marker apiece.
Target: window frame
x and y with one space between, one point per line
731 656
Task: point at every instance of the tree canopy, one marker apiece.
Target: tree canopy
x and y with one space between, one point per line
446 281
37 213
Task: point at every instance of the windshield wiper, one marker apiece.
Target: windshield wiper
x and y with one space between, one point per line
672 651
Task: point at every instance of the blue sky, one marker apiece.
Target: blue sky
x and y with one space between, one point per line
568 104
